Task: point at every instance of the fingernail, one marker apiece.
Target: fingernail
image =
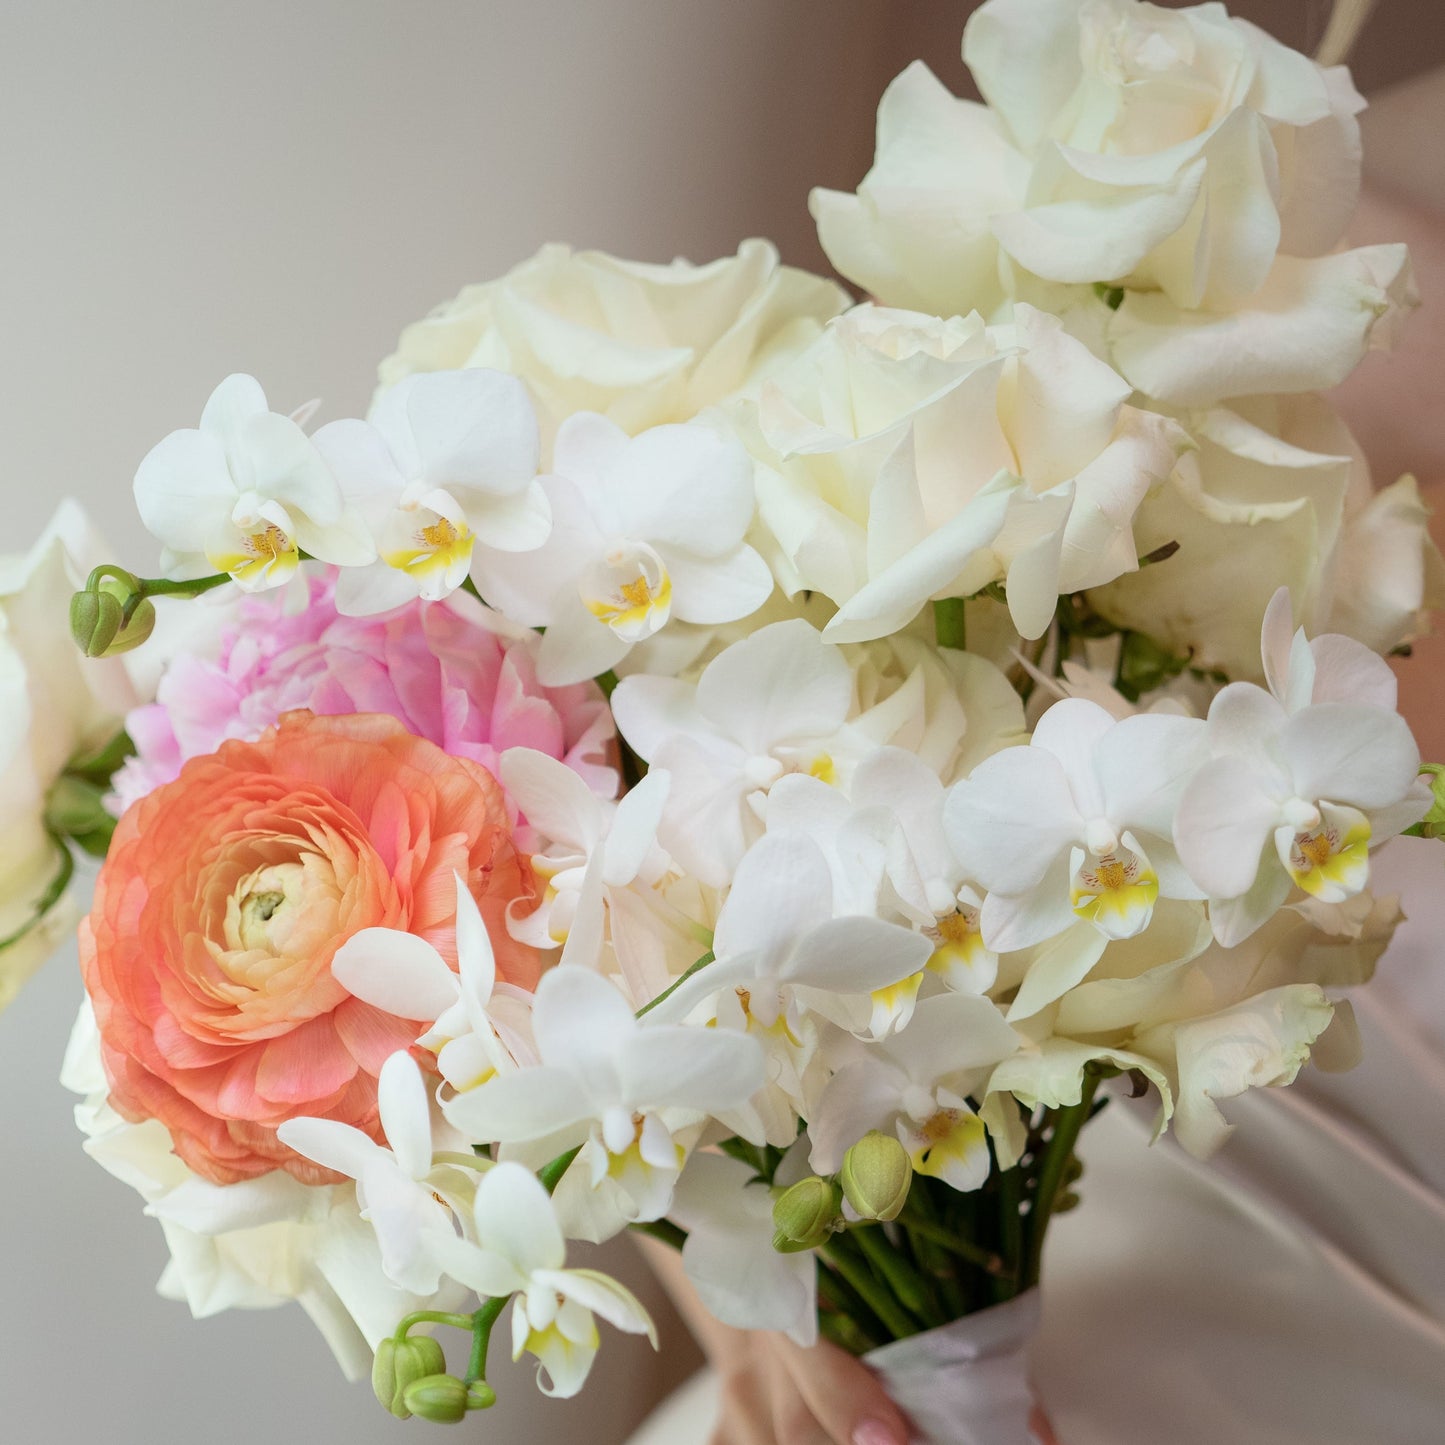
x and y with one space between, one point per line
875 1432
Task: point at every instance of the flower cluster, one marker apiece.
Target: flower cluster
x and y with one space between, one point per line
704 758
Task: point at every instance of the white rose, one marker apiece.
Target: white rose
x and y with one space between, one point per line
251 1245
917 233
1202 1023
1258 505
1178 150
642 344
903 458
1387 574
1185 160
54 704
950 708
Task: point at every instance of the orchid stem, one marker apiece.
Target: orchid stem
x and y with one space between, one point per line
1067 1123
855 1272
905 1281
663 1229
551 1174
677 983
985 1259
433 1317
481 1326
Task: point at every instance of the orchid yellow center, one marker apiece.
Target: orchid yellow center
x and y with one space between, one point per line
1330 861
824 769
439 548
262 551
893 1006
1115 892
950 1144
960 957
629 589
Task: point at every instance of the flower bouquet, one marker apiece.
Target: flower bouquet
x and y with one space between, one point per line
710 758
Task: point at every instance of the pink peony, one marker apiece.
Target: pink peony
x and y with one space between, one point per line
447 671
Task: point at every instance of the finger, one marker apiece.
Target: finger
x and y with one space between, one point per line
844 1396
744 1413
793 1423
1043 1432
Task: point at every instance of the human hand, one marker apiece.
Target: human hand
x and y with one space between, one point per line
773 1392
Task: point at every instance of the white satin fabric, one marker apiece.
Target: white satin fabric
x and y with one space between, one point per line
967 1383
1290 1291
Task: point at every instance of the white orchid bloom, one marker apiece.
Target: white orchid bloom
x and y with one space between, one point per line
858 844
1076 826
784 962
447 461
775 703
624 1087
245 494
481 1026
916 1085
595 851
931 886
520 1251
409 1195
647 528
729 1256
1303 780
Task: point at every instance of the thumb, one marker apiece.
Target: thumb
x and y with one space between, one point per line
845 1396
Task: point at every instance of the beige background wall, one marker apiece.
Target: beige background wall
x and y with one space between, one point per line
191 189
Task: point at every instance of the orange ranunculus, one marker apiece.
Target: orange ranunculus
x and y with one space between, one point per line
224 898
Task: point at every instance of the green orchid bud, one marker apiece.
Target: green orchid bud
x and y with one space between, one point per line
138 630
1432 825
399 1364
876 1176
111 617
480 1396
441 1399
805 1215
95 618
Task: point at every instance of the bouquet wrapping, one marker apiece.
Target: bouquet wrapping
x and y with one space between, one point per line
707 757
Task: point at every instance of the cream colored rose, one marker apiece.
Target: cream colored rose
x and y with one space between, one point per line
643 344
1200 1022
903 458
950 708
1258 505
1386 575
917 233
1179 163
1277 493
54 703
1177 150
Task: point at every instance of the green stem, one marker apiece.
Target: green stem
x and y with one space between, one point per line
950 627
433 1317
895 1319
52 895
840 1297
950 1243
1011 1232
676 984
469 586
1059 1150
551 1174
481 1326
162 587
663 1229
902 1278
